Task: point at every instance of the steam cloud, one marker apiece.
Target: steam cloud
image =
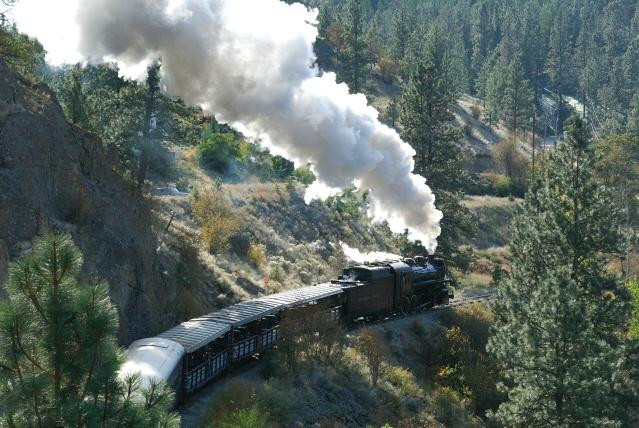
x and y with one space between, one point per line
357 256
250 62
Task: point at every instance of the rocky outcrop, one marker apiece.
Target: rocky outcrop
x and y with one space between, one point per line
57 177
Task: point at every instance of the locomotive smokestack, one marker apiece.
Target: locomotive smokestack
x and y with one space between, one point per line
250 63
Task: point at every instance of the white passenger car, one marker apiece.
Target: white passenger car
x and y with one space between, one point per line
154 358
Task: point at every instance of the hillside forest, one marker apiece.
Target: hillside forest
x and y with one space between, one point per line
125 210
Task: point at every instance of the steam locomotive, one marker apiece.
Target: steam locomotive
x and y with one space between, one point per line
195 352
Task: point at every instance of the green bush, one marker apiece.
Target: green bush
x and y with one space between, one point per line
252 417
449 407
21 51
256 255
282 167
494 184
276 273
304 175
219 151
348 204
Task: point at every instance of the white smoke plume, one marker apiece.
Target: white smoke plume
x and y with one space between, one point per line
355 255
250 62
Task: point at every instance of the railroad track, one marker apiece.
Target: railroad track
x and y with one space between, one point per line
468 300
425 309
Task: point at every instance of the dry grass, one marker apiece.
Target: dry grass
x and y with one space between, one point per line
475 280
218 223
256 255
474 202
494 216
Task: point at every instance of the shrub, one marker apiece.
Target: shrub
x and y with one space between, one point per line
449 407
370 345
492 183
218 151
282 167
276 274
511 161
21 51
256 255
304 175
315 337
465 365
388 69
237 405
252 417
474 320
241 243
218 224
404 380
348 204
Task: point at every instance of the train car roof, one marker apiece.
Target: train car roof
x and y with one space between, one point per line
245 312
153 358
196 333
201 331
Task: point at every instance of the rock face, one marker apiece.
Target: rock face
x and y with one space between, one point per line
57 177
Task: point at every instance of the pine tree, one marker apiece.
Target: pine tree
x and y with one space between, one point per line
425 114
562 317
392 113
152 92
633 116
58 353
558 64
517 99
354 56
401 29
73 96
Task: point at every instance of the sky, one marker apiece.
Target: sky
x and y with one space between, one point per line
53 24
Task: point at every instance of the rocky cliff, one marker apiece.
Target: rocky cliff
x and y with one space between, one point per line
57 177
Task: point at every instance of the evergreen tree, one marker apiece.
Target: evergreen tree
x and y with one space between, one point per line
492 89
323 49
481 35
402 28
58 353
562 316
518 97
392 113
558 64
354 56
73 98
633 116
425 115
152 93
19 50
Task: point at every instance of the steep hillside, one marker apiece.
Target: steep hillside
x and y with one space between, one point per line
297 243
54 176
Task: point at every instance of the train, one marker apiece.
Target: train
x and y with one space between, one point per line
198 351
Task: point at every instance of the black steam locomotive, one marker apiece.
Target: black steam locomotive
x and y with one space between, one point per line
379 289
197 351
